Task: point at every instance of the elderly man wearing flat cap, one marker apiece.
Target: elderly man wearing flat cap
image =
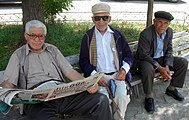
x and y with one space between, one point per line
105 49
154 54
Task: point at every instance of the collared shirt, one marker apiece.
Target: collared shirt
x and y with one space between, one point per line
105 58
41 67
160 44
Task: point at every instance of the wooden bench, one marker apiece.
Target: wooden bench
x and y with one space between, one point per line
180 48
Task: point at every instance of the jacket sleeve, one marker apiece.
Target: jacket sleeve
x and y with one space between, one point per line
145 49
84 60
168 54
126 51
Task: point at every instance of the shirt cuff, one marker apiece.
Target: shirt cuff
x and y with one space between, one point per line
93 72
126 67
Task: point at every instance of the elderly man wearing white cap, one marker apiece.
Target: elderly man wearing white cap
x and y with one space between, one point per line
105 49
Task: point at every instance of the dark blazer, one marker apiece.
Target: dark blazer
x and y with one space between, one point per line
147 45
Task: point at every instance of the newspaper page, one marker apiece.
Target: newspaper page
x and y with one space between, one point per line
6 97
20 96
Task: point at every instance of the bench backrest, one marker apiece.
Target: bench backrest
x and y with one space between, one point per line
180 44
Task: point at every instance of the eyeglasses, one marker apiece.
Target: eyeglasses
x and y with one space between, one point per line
104 18
34 36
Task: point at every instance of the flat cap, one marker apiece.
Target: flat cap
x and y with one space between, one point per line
100 8
164 15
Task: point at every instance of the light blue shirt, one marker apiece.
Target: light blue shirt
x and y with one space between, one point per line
160 44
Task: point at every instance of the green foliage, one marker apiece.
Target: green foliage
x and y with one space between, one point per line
53 7
179 27
10 36
130 30
66 36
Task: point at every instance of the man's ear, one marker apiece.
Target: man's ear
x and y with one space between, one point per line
93 19
154 20
110 18
26 36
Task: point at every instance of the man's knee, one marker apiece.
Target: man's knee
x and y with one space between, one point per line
101 99
147 68
185 62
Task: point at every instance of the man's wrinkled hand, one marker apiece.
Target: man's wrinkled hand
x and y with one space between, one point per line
165 73
121 75
93 89
102 82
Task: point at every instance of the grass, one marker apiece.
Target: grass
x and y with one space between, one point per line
10 37
66 36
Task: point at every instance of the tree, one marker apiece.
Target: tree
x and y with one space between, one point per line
32 9
53 7
42 10
149 12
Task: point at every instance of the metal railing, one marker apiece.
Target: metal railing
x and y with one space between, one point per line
16 18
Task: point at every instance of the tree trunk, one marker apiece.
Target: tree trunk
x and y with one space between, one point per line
149 12
32 9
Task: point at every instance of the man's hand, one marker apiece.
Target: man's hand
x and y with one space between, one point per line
121 75
165 72
93 89
7 84
102 82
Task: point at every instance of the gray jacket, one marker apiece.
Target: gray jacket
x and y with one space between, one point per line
147 45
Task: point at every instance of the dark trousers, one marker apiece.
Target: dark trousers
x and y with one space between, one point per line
147 71
96 106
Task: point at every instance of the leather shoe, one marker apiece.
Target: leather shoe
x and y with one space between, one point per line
149 105
175 94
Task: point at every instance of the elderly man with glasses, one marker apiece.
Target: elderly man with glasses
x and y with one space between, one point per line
105 49
37 62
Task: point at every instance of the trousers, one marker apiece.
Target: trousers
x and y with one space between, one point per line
147 71
121 98
96 106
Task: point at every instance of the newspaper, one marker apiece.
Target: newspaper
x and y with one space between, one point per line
44 92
